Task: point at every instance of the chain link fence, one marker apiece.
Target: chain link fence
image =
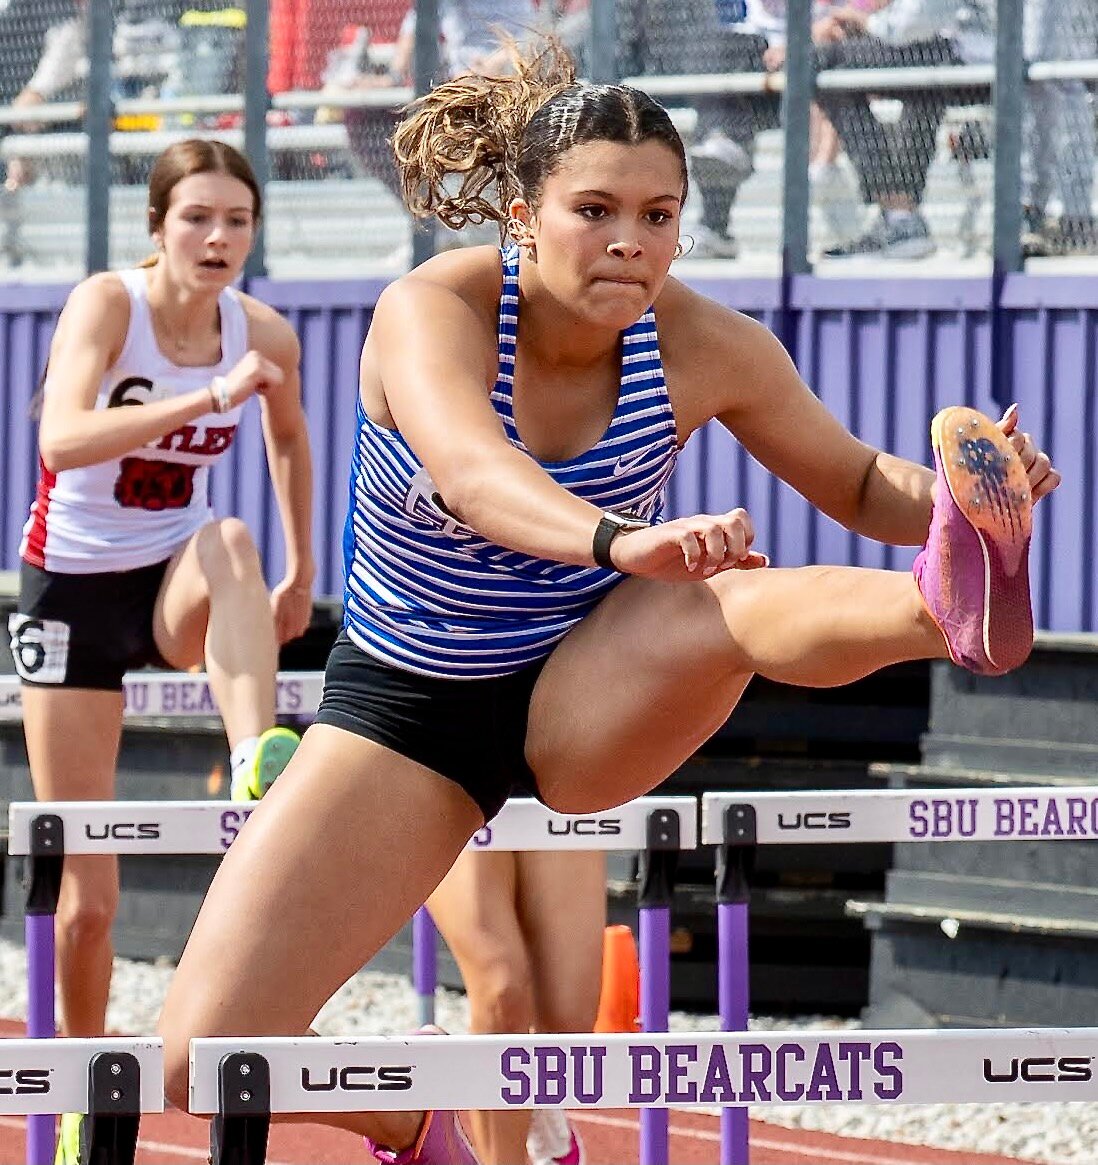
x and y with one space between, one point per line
895 154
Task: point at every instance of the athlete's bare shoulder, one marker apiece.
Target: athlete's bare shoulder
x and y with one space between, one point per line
269 332
97 312
455 294
711 354
473 274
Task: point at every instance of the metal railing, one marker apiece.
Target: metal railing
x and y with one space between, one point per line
798 84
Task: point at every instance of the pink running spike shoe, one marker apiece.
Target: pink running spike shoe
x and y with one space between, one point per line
973 573
440 1140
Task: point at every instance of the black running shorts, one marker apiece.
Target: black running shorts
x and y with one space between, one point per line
84 630
472 732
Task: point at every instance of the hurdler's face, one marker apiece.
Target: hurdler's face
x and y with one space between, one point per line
606 227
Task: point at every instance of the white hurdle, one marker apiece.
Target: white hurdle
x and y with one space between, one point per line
168 694
739 822
241 1083
44 832
111 1081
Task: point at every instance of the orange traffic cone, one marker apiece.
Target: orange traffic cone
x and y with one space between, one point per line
619 1000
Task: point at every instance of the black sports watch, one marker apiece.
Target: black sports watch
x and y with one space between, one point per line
609 527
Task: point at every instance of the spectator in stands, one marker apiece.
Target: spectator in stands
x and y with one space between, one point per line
674 37
60 67
892 160
831 187
1059 131
62 64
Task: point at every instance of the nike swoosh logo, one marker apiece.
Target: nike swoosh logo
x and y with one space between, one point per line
625 464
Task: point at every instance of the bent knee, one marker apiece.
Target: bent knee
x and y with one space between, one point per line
177 1076
500 997
86 917
226 550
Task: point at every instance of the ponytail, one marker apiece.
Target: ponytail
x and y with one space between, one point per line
472 126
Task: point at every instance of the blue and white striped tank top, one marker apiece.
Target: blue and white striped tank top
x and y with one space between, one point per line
429 595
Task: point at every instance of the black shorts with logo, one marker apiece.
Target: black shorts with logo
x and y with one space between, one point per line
472 732
84 630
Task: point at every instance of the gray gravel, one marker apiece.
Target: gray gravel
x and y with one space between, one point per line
377 1004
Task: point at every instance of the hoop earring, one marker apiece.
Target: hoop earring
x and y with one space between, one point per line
681 250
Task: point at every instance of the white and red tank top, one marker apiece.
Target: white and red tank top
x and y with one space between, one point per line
140 508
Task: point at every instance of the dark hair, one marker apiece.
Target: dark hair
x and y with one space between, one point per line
195 156
510 132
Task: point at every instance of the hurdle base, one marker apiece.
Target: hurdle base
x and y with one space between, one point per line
239 1140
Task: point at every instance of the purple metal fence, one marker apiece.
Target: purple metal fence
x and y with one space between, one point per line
883 355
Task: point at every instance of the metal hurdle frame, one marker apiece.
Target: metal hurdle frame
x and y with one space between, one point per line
242 1083
43 832
739 822
146 694
658 828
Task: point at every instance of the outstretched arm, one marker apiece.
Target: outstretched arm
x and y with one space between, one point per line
753 388
289 458
435 358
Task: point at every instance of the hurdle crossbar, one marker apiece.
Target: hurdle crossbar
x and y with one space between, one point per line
171 694
210 827
45 1077
1037 813
314 1075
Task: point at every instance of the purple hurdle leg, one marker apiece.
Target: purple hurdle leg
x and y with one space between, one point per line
41 1023
43 884
735 861
424 963
658 866
732 994
655 1002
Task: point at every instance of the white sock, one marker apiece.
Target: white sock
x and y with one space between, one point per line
242 755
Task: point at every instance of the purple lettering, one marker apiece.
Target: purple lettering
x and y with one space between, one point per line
593 1093
754 1083
1077 816
824 1084
552 1075
137 698
1051 826
943 819
1004 817
883 1054
679 1059
168 698
232 821
785 1091
856 1054
645 1063
917 814
717 1088
512 1066
1027 816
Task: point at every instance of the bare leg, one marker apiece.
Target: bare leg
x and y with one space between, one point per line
72 742
526 930
476 910
339 853
214 605
656 669
562 907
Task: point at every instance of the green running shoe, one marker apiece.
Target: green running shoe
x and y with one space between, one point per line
68 1140
272 755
